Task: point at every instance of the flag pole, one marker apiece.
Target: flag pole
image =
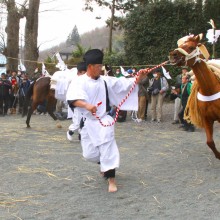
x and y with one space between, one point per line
213 47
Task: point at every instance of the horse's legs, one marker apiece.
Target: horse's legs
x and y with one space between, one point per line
31 109
209 138
52 115
51 103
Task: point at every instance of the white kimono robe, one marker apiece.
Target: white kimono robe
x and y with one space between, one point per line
98 142
75 115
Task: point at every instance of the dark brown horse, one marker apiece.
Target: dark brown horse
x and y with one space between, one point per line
208 93
39 93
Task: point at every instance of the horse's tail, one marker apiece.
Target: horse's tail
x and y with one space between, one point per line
27 101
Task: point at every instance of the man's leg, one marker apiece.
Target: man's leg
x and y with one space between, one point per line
110 176
153 107
1 106
160 107
142 107
109 161
6 105
146 108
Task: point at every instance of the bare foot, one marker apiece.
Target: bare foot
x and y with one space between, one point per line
112 185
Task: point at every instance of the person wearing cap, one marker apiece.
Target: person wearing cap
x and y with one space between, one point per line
159 87
92 94
75 114
5 90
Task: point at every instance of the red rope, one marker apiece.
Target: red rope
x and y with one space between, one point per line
126 97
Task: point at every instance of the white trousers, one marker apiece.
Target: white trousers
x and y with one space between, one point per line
107 153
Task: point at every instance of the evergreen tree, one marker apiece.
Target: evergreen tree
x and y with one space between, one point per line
199 18
74 37
150 37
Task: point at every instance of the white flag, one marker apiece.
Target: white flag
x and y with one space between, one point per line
21 67
165 73
211 37
212 23
44 71
123 72
61 65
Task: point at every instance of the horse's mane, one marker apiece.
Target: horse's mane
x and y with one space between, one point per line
192 112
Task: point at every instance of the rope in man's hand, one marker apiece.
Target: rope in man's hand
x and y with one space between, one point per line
142 71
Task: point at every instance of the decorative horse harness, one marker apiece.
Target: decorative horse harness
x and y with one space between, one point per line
195 53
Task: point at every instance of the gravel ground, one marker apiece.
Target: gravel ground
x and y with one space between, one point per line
165 173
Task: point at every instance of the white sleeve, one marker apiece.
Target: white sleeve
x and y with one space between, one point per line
119 88
75 90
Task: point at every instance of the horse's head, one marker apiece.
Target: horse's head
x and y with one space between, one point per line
187 51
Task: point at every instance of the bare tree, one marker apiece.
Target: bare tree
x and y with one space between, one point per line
31 52
122 6
12 30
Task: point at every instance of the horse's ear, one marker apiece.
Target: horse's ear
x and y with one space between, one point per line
204 51
200 36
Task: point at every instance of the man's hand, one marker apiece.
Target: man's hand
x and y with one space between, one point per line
87 106
91 108
142 74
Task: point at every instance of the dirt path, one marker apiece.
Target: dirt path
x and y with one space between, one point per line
165 173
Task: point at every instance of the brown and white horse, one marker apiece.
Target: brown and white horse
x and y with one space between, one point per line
208 94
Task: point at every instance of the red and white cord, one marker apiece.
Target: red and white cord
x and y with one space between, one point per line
126 97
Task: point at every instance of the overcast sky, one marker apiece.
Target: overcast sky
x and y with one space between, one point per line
62 15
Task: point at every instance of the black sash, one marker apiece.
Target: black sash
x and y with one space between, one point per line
108 107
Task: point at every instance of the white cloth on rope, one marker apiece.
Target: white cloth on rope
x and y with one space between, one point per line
165 73
60 65
123 72
44 71
21 67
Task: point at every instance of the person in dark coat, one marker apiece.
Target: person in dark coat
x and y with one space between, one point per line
23 88
5 90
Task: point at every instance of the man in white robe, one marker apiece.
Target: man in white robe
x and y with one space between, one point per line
98 142
75 114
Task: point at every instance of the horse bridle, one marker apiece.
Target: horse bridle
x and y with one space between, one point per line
188 56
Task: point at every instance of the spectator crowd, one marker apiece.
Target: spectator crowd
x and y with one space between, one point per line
152 92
